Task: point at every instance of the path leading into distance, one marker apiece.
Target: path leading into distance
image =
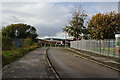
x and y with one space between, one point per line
69 66
32 65
35 65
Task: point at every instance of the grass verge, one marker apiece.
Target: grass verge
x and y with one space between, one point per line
12 55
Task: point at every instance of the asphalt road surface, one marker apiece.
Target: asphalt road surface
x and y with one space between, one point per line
69 66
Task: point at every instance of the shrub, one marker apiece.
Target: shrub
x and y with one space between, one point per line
12 55
6 43
27 42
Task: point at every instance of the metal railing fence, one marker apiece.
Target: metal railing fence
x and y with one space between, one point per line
104 47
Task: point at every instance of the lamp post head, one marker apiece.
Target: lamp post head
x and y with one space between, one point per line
16 33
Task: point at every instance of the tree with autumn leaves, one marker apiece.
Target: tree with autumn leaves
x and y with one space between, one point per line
100 26
104 26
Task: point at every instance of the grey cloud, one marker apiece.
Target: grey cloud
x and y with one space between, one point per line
16 18
44 30
48 18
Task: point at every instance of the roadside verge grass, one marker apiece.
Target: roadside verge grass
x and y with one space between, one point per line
9 56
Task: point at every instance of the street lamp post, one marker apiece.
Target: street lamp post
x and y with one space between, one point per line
16 34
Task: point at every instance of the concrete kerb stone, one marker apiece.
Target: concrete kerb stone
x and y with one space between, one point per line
95 61
50 64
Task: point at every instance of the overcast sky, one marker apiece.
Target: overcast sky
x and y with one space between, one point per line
49 17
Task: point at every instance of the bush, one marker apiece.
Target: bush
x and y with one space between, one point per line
12 55
6 43
27 42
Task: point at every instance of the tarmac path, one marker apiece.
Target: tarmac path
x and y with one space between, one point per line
32 65
69 66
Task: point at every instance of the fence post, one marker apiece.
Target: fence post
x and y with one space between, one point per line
109 47
104 47
100 45
94 44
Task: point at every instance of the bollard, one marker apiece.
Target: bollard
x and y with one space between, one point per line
117 36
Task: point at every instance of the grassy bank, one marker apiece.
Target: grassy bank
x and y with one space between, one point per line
9 56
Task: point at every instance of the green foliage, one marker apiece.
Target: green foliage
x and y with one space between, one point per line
104 26
10 52
12 55
27 42
6 43
76 24
19 31
9 56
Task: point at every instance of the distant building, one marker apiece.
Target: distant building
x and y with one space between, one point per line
55 41
50 41
67 41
